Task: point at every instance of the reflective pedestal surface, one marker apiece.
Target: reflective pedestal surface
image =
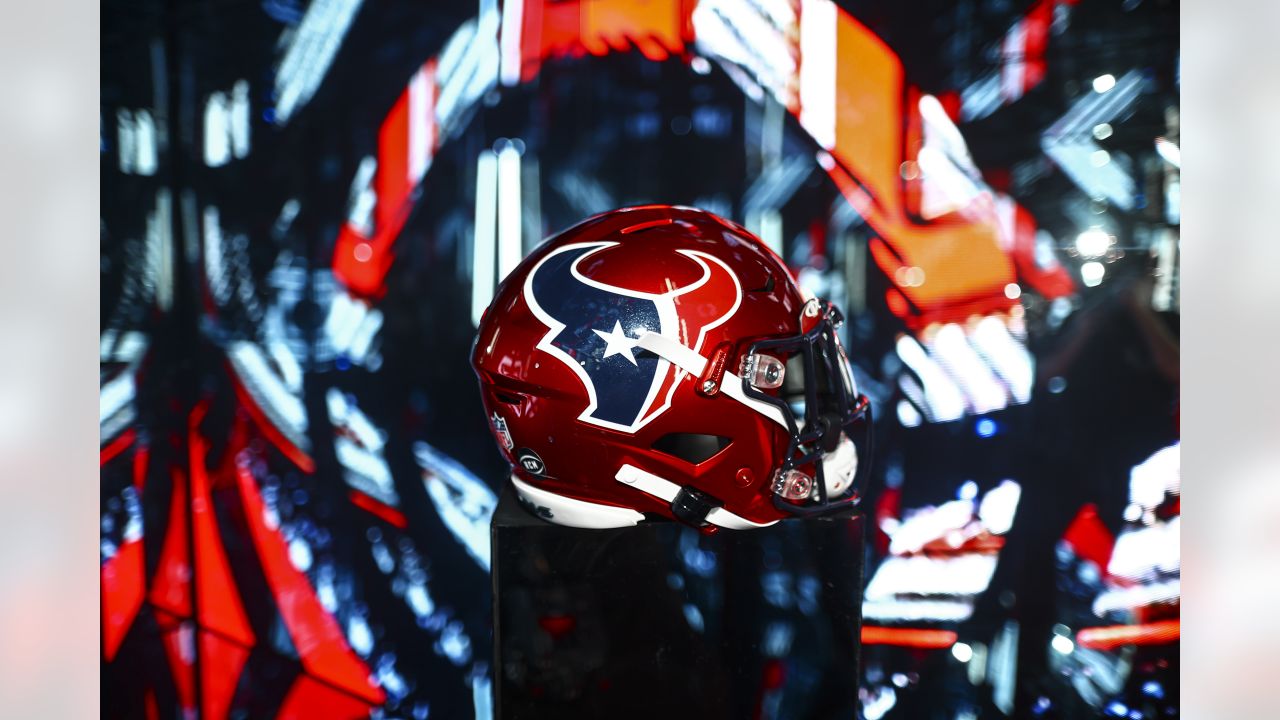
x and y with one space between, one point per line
662 621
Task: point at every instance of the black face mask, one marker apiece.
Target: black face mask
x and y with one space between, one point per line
822 406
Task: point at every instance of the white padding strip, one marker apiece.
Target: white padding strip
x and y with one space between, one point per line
576 513
693 363
666 490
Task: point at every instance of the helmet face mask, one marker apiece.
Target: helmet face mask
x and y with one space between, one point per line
660 361
822 408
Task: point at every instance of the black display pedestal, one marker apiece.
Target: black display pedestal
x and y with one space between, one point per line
662 621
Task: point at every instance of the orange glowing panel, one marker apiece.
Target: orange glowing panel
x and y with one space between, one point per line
926 638
1107 638
869 100
599 27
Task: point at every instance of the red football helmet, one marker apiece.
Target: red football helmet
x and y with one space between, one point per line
661 360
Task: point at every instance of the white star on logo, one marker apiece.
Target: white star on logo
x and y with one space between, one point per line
617 342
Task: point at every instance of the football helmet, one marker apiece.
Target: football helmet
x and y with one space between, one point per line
660 360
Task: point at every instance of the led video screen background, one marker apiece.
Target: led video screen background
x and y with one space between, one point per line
306 206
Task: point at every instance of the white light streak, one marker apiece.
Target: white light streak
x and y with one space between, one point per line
818 70
144 128
311 48
908 415
952 350
742 34
215 266
512 33
510 244
482 274
136 142
929 524
114 395
217 139
422 119
1169 151
999 506
362 200
1142 552
284 409
943 399
1138 596
238 119
160 250
1156 477
464 502
1013 69
917 610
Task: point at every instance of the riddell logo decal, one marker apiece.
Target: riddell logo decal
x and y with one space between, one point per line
530 461
500 429
593 328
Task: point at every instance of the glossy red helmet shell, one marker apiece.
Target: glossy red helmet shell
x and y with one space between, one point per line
609 366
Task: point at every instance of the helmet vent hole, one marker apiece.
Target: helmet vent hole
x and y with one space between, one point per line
508 398
692 448
766 288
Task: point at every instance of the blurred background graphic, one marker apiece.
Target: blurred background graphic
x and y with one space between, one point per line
305 207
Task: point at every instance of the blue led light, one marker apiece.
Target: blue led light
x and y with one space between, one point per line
1117 708
986 427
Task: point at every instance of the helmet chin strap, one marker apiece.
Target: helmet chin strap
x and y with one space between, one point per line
840 466
664 489
694 363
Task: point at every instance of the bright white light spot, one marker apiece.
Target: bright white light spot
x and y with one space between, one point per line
908 415
1062 644
1133 512
700 65
300 554
1102 131
1099 158
900 680
1013 291
1103 83
359 635
1091 273
1169 151
969 490
1093 243
962 652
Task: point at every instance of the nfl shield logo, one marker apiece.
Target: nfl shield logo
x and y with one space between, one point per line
500 429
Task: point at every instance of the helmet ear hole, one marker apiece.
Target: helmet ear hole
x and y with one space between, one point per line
508 398
693 448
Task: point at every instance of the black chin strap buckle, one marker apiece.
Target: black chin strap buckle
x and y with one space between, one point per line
691 506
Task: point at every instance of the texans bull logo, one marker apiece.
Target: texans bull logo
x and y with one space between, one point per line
594 328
